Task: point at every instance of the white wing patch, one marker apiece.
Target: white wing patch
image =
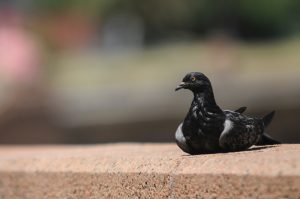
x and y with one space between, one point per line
227 127
179 135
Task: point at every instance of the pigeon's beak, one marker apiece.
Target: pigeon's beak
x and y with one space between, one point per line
180 86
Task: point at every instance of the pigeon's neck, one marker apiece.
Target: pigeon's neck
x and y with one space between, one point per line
205 98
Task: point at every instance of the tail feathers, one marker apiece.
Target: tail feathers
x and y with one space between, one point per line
268 118
241 109
267 140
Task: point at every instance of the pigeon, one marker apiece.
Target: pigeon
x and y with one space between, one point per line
209 129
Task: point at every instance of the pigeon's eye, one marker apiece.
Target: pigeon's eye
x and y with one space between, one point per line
193 79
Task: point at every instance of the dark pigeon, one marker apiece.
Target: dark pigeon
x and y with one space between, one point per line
209 129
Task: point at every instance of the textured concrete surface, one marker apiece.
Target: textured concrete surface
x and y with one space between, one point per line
147 171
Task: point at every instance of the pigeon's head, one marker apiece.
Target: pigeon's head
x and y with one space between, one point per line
194 81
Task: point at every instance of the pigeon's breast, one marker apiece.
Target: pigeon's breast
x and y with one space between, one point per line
181 140
179 135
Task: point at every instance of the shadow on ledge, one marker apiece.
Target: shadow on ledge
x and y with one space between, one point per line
254 148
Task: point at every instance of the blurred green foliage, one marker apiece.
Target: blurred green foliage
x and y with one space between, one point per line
243 18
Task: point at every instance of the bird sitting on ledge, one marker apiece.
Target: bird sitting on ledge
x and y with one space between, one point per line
209 129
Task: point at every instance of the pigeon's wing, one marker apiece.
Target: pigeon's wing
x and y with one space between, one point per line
240 132
241 109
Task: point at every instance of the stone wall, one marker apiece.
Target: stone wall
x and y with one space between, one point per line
147 171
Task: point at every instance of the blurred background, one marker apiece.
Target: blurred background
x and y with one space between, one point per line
99 71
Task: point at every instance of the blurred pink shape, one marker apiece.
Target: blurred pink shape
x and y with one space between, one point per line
19 55
68 30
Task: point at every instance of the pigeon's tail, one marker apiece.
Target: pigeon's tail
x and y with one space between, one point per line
241 109
268 118
267 139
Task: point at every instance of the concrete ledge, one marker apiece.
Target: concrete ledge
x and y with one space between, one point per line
147 171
